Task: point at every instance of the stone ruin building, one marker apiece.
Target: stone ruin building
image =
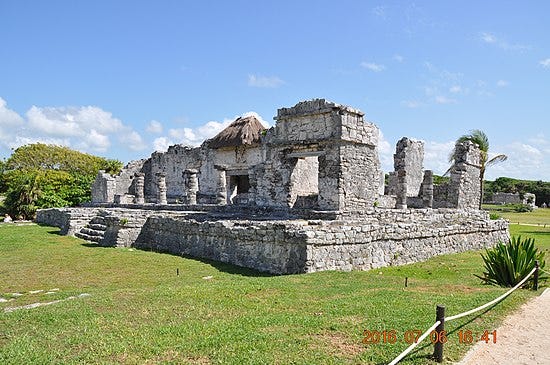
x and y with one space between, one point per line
513 198
305 195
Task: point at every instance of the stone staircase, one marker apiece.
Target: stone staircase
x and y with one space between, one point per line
94 231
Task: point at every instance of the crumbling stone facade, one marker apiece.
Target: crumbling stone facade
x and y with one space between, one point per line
513 198
306 195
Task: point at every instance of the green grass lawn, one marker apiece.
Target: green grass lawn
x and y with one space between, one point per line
538 216
139 311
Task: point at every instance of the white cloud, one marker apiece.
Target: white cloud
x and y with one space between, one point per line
436 156
545 63
488 37
161 144
491 38
264 81
196 135
133 140
455 89
154 127
88 128
502 83
398 58
411 104
529 161
440 99
385 152
9 118
94 141
373 66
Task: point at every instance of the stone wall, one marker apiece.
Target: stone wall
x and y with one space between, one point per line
103 188
304 182
69 220
345 147
363 240
284 247
395 237
408 157
275 247
464 187
513 198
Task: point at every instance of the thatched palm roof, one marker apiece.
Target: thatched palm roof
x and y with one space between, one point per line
243 131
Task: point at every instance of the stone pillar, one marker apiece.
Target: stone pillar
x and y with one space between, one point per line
427 189
221 188
409 156
161 188
465 186
140 188
191 187
401 201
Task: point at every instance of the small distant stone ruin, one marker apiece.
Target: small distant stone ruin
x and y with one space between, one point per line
513 198
305 195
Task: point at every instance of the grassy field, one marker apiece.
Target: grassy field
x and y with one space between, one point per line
140 311
538 216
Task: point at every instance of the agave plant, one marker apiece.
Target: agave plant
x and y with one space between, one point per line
507 264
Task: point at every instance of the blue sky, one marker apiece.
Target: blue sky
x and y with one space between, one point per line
123 78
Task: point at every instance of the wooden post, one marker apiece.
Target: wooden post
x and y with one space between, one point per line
536 276
438 346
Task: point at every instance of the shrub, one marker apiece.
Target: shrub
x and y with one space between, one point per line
494 216
523 208
507 264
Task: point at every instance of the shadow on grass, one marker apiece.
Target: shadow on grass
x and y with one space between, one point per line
229 268
52 230
220 266
535 232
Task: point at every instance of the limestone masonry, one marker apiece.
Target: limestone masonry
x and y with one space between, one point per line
305 195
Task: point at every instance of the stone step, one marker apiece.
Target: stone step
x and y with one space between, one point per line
88 238
92 232
97 226
97 220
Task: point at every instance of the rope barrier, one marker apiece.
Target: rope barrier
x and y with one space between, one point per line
412 346
460 315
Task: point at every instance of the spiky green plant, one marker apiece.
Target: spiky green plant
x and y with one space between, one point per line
507 264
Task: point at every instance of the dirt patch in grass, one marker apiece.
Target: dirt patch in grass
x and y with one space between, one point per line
338 344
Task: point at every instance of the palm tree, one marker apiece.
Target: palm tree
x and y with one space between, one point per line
479 138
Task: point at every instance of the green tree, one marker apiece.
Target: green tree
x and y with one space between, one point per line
40 156
2 169
479 138
23 192
44 176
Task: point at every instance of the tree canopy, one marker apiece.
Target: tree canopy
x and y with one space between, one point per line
44 176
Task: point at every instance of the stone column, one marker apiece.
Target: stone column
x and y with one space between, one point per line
221 188
161 188
191 186
140 188
427 189
401 201
465 185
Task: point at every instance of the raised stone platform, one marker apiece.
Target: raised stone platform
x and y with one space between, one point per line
359 240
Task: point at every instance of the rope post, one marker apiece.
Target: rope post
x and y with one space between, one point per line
438 346
536 276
